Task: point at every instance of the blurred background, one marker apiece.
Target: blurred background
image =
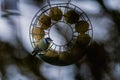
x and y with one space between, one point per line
102 59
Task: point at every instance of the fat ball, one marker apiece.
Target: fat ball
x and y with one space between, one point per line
55 13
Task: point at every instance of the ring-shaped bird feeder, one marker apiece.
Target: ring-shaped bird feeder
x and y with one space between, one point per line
69 28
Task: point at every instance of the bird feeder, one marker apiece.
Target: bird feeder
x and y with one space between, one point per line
67 26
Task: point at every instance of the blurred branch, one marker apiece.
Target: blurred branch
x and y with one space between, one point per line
98 61
115 14
101 2
8 57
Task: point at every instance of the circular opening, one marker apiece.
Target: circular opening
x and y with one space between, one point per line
61 33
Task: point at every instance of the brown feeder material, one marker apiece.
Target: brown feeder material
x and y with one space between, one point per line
45 21
55 13
52 54
82 26
75 54
63 58
66 57
83 39
71 17
38 33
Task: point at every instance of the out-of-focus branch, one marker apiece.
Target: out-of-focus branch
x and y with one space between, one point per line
8 57
101 2
115 14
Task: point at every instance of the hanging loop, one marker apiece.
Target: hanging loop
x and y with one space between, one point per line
48 1
69 1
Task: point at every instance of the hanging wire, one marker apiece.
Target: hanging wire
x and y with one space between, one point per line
48 1
69 1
